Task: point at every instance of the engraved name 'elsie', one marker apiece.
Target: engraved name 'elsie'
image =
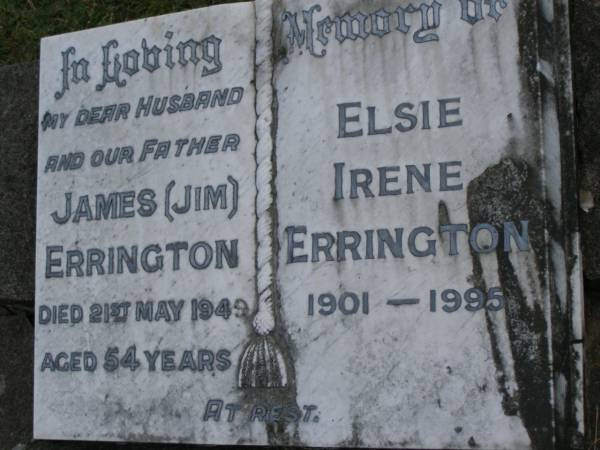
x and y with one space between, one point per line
118 64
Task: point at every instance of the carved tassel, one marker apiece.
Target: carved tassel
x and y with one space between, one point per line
262 364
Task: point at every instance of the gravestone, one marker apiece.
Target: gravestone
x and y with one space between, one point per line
341 224
146 244
422 269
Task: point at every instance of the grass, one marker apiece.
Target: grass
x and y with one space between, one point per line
24 22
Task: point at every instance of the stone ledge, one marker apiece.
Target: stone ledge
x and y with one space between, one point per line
18 144
16 381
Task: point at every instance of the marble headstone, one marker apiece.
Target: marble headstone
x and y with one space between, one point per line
318 223
146 213
418 180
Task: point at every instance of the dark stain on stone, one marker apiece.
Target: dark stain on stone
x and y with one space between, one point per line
546 38
507 192
472 443
279 435
458 430
528 61
567 352
356 440
443 218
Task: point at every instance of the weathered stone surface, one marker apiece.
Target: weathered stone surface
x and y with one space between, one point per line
163 329
586 66
399 376
18 143
361 103
70 445
16 381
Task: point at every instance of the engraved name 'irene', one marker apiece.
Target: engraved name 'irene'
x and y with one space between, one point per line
118 64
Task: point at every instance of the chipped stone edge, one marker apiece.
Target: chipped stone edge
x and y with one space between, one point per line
558 140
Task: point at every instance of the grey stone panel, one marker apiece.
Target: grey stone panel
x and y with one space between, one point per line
16 381
18 145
